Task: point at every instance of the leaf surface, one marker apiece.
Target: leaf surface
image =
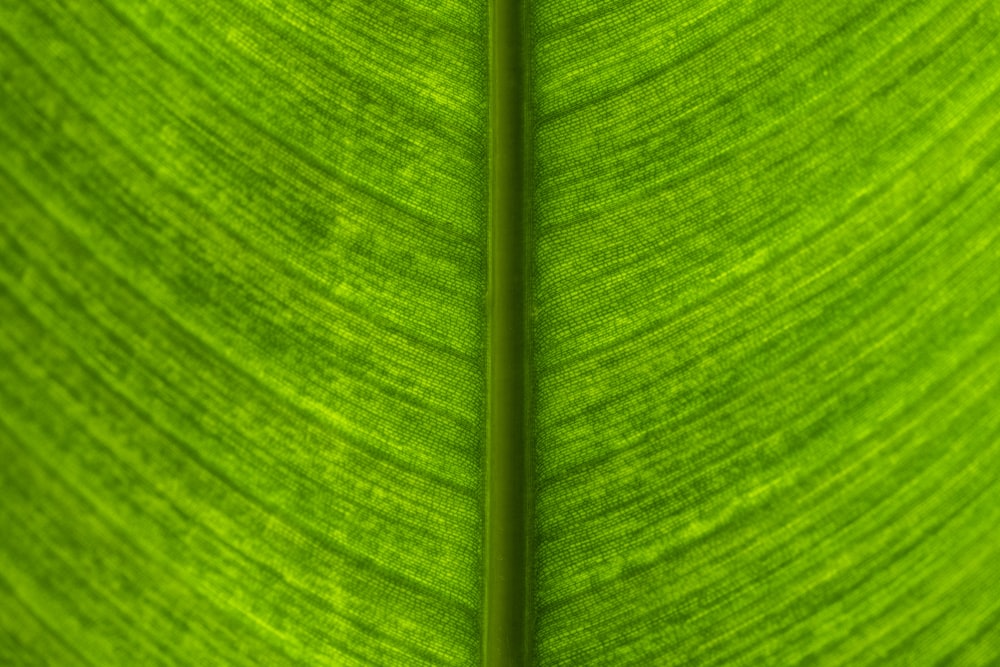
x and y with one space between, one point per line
767 352
242 380
245 362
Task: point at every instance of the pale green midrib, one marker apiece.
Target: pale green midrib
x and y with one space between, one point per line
507 551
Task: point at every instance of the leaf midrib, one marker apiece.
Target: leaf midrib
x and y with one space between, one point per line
507 552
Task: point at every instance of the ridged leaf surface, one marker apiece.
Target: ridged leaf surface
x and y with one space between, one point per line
245 356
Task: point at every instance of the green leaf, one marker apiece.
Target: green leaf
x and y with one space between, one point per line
768 333
264 392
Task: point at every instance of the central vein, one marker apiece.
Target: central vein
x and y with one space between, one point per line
507 509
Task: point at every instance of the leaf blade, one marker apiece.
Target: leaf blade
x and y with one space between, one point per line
243 353
764 242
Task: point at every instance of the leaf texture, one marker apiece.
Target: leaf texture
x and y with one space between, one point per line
767 337
244 266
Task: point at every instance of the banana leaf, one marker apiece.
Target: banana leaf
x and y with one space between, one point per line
398 332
